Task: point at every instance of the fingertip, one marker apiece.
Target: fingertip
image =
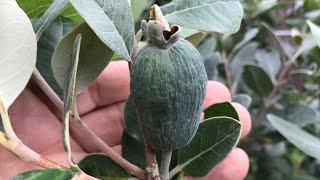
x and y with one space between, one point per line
216 93
244 117
234 167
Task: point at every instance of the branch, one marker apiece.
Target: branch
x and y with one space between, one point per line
84 129
26 154
38 80
12 143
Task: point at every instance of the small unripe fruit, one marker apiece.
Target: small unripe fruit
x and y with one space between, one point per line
168 86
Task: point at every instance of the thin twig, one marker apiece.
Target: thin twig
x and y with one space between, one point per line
11 142
52 96
26 154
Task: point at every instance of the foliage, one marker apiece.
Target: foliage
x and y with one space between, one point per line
102 167
54 174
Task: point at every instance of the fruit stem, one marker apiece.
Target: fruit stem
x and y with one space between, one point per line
152 165
165 164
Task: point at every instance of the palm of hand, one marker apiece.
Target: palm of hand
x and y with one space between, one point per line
101 108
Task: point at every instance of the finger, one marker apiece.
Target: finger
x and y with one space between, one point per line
234 167
244 118
216 93
106 122
112 86
35 124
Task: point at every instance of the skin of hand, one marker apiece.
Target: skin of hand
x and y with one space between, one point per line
101 108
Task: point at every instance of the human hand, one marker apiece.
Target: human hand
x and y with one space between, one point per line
101 108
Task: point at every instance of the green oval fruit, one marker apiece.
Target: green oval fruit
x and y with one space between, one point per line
168 85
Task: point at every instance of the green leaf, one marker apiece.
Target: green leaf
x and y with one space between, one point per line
46 45
18 51
214 140
42 23
196 38
310 5
315 31
269 61
133 151
266 5
111 20
300 115
138 6
52 174
208 15
211 63
275 39
102 167
34 8
257 79
248 36
243 57
242 99
221 109
306 142
192 35
307 44
207 47
94 57
131 122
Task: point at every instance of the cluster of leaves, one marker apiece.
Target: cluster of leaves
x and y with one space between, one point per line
69 33
272 67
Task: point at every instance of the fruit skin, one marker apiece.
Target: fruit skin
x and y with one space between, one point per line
168 87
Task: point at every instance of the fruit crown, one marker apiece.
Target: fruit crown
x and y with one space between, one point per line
158 31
